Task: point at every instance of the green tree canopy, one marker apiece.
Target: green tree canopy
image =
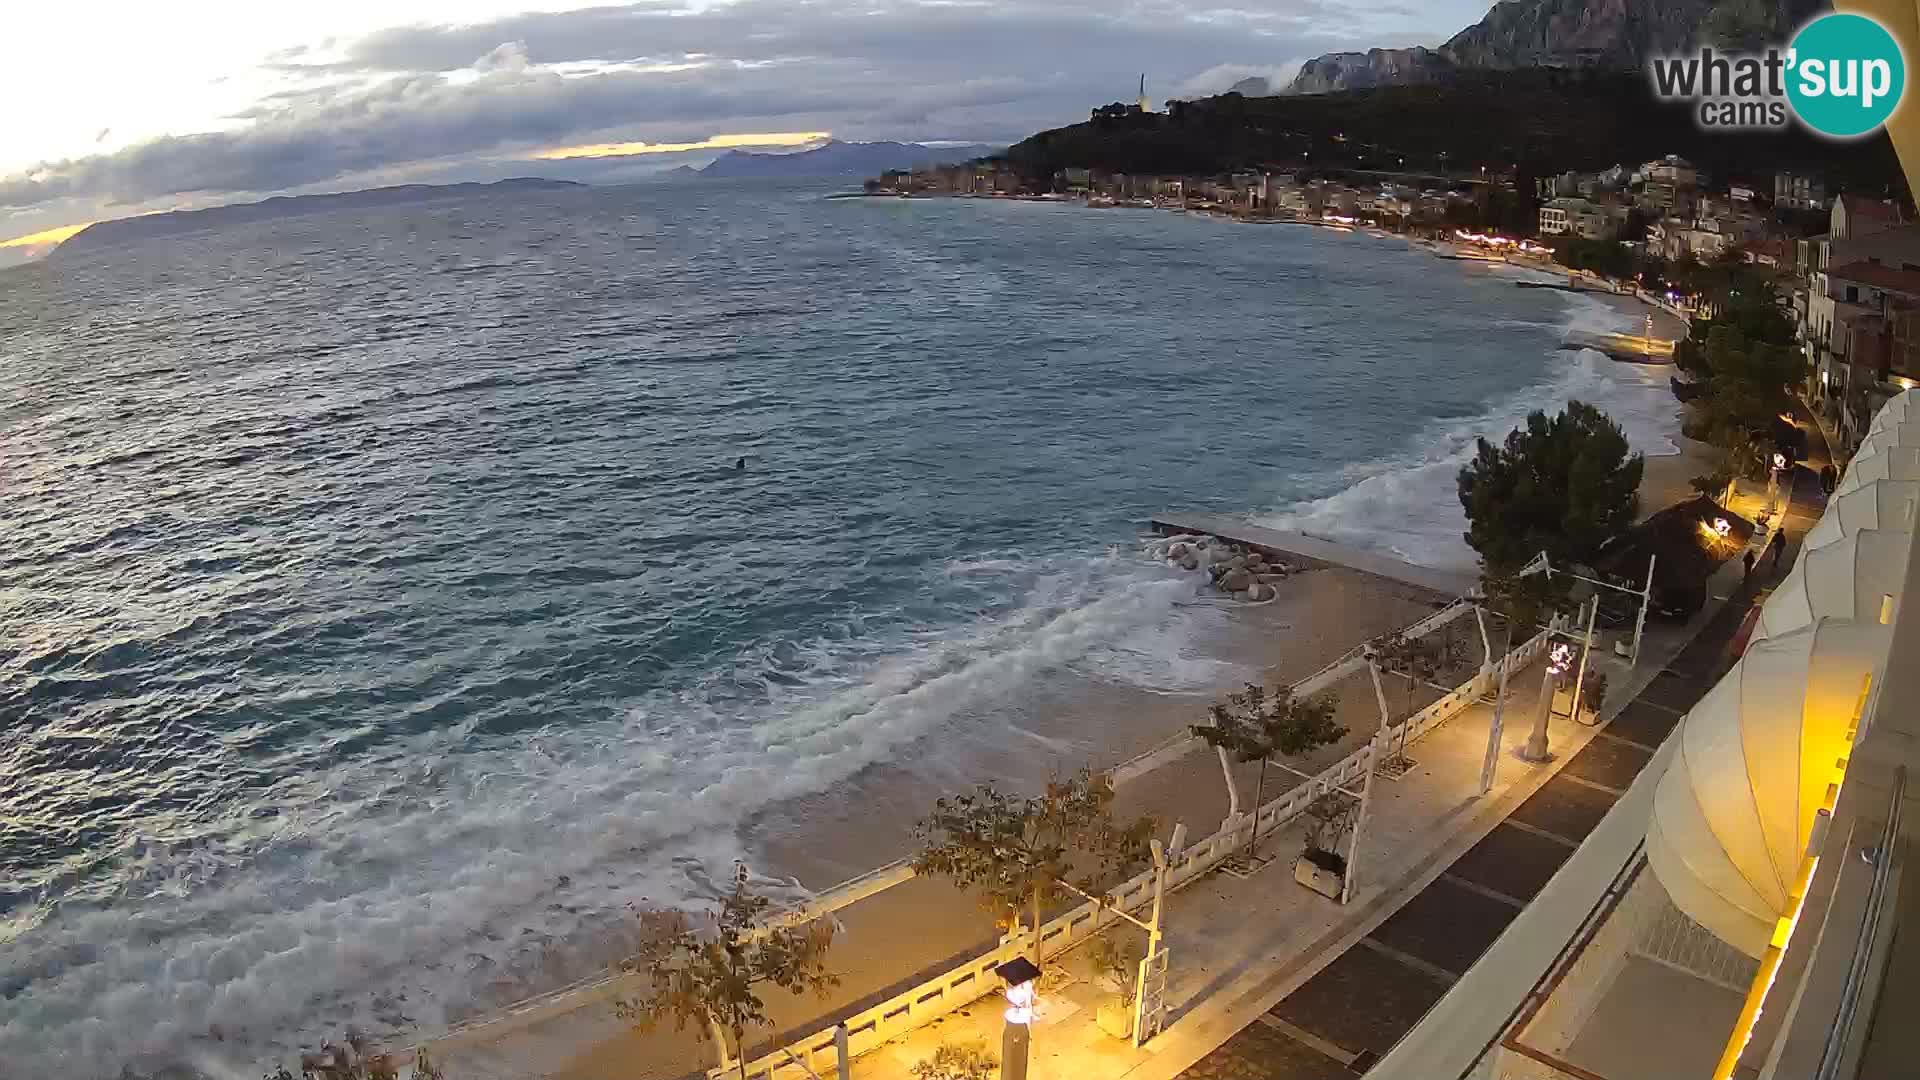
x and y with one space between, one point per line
1565 485
1014 852
1254 725
710 972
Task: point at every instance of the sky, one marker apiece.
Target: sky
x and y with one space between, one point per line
118 107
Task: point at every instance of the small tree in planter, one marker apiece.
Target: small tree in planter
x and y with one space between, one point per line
1321 867
957 1061
1594 691
1013 853
1115 956
1254 726
1329 818
710 973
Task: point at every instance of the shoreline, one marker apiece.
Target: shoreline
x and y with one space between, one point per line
900 935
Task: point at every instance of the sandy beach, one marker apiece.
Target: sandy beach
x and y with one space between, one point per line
905 934
1667 477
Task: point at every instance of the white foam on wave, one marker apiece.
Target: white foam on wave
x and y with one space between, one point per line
1408 503
453 871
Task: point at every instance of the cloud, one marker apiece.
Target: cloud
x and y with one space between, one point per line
422 97
508 56
1222 77
762 140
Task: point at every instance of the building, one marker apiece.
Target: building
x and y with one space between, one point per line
1742 910
1575 217
1798 191
1860 231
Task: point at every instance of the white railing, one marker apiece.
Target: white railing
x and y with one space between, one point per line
607 986
974 979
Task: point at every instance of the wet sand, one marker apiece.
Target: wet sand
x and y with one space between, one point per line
1667 476
907 933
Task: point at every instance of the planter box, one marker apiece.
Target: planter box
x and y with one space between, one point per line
1322 871
1116 1018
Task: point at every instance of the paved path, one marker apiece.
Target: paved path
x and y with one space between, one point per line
1352 1012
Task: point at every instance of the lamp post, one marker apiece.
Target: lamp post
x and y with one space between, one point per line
1019 974
1559 658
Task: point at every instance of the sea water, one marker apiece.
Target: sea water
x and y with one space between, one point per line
385 597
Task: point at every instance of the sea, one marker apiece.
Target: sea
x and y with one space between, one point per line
384 590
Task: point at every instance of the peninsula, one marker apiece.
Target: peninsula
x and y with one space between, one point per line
122 231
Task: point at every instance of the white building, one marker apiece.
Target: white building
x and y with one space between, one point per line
1574 217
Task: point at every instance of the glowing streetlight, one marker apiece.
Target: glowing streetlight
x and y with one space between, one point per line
1019 974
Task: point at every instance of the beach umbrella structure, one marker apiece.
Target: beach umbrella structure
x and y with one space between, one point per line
1883 504
1890 463
1760 758
1855 578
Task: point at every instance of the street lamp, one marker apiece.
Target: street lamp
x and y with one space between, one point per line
1019 974
1559 659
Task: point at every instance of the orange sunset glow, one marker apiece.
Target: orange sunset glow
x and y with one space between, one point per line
717 142
45 237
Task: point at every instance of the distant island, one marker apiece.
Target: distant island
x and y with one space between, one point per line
836 158
110 234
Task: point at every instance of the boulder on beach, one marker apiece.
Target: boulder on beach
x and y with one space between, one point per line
1260 591
1178 552
1236 580
1190 562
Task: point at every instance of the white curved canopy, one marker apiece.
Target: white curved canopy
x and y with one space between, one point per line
1899 407
1844 580
1757 756
1884 504
1895 433
1889 463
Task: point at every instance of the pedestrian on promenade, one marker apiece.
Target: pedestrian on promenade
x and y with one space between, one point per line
1747 562
1777 545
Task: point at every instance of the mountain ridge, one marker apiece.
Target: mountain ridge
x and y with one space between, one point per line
837 158
119 231
1615 34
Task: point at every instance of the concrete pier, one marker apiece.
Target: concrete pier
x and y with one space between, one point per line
1301 549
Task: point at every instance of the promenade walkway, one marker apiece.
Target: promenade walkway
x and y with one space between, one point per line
1350 1012
1272 982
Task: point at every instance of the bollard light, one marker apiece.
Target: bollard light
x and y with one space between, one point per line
1019 974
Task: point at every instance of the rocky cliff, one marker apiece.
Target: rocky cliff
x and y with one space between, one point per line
1611 33
1619 34
1376 67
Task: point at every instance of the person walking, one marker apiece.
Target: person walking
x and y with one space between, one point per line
1746 561
1777 545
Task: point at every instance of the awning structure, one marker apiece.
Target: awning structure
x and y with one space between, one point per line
1855 578
1891 463
1763 754
1760 755
1897 433
1886 505
1899 408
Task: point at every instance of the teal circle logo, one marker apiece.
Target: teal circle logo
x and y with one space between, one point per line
1845 75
